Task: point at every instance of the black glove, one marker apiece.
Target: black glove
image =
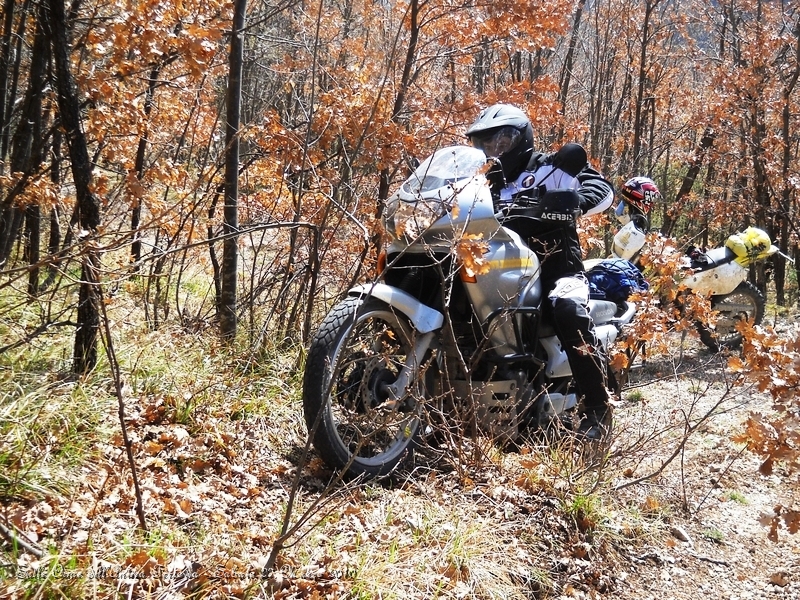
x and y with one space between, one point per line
571 159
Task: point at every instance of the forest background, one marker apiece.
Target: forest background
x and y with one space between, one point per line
215 169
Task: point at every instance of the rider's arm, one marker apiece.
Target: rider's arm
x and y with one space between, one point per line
597 194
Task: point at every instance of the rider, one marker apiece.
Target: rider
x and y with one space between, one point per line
504 133
638 196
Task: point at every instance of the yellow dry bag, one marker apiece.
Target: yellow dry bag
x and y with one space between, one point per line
750 245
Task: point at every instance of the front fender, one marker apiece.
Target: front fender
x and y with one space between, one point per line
424 318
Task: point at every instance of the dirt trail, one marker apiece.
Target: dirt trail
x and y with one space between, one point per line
717 548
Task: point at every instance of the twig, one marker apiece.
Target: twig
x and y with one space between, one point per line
36 332
690 429
126 239
715 561
115 371
719 478
656 556
16 538
287 529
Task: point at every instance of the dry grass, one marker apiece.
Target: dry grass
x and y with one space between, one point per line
217 435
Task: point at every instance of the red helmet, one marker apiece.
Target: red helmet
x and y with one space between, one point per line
640 193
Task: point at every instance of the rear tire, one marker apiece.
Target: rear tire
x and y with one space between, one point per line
360 348
745 302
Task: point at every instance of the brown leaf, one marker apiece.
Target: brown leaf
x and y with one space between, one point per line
470 251
152 448
779 578
791 518
135 186
651 504
766 519
198 465
142 561
773 530
736 365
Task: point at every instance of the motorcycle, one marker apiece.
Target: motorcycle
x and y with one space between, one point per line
719 273
451 326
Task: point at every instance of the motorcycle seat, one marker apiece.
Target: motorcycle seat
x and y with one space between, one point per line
602 311
711 259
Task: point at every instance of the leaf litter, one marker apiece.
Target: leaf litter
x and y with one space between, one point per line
530 523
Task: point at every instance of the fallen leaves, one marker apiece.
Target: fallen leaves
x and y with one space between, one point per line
781 517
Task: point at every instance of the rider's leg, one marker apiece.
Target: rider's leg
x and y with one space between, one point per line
569 300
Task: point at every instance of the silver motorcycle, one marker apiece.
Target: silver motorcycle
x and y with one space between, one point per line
451 331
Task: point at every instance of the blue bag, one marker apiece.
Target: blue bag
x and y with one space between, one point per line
615 279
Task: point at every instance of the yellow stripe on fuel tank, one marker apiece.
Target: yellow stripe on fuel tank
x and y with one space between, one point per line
523 262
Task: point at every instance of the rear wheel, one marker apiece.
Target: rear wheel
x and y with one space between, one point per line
745 302
359 350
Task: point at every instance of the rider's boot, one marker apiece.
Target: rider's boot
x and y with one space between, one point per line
595 424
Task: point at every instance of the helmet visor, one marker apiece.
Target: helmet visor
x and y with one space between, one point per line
497 142
622 213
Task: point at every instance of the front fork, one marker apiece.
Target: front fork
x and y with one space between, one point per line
398 390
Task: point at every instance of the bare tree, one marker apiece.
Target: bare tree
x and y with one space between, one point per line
230 251
88 206
785 211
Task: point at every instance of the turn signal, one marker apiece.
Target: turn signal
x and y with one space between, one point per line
381 266
465 276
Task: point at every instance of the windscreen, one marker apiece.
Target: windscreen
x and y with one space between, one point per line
445 167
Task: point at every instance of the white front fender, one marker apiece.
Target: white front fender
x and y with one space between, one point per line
424 318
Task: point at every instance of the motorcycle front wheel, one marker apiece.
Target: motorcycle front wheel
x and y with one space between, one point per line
360 349
745 302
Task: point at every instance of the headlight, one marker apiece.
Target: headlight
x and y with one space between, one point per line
411 219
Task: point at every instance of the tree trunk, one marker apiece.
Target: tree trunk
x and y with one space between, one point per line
796 258
136 209
5 68
688 180
785 201
785 211
639 118
763 215
36 83
33 229
399 103
230 257
12 77
26 151
566 71
54 239
88 207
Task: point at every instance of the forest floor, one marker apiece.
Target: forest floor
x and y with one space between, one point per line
716 543
673 513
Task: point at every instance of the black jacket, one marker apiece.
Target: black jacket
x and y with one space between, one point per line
556 243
